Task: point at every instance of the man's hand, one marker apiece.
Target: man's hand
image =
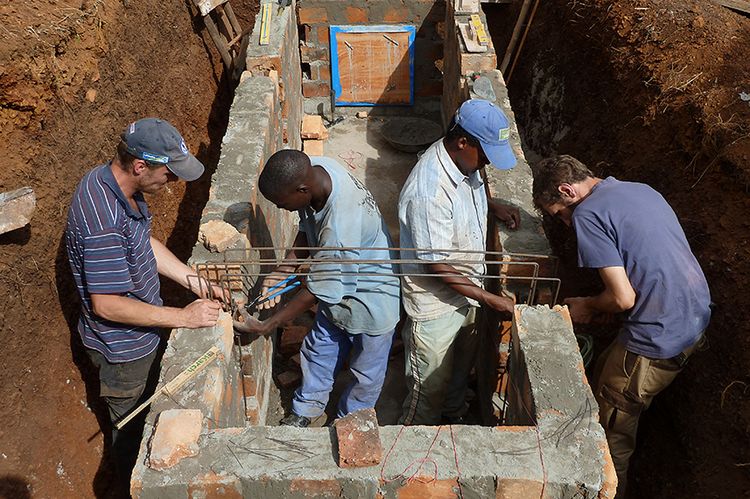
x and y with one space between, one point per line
250 324
509 215
200 313
580 311
268 283
499 303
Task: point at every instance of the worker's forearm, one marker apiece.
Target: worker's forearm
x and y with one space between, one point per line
606 302
133 312
302 301
457 282
171 267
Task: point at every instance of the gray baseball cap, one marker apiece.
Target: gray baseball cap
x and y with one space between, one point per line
157 142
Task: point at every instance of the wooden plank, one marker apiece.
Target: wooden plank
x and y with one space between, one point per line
232 18
206 6
741 5
174 385
228 29
374 67
220 42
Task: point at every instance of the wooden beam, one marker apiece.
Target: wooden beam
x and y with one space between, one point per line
741 5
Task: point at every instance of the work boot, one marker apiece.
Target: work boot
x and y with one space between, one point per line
293 419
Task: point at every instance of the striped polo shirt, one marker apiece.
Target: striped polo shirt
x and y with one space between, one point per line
109 250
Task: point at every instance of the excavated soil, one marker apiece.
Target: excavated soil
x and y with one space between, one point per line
73 74
645 90
650 91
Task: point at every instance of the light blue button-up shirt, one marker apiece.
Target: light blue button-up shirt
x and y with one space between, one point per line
440 208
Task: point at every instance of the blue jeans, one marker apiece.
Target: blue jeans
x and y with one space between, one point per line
323 352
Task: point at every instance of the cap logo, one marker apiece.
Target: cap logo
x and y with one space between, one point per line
132 128
504 133
183 147
155 158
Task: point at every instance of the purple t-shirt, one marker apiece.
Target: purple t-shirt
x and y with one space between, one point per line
630 225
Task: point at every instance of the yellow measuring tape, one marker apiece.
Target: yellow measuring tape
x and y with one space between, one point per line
478 26
265 23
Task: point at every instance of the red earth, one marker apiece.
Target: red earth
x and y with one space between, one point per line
652 93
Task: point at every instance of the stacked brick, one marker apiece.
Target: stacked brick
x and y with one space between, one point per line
316 16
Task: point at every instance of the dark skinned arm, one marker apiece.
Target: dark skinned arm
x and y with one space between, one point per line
463 285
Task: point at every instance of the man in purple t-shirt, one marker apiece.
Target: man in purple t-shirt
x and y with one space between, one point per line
629 233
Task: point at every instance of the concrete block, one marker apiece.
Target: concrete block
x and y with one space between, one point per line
175 437
16 208
217 235
358 439
213 485
313 147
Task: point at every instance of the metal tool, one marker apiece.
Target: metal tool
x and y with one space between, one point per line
274 291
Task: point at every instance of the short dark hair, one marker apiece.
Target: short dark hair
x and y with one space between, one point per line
123 156
283 171
549 173
126 159
456 131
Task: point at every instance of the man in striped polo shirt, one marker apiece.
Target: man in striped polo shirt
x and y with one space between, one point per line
116 266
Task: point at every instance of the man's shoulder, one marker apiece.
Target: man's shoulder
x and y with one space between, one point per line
94 207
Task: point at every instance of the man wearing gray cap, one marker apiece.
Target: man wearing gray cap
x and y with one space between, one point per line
116 266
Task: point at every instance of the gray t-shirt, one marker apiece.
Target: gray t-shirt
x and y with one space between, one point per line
350 218
630 225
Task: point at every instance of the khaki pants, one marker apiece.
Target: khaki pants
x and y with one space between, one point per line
625 385
440 354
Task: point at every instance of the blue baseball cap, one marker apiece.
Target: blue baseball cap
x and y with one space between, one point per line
487 122
157 142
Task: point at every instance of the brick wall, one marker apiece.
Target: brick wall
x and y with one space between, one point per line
315 17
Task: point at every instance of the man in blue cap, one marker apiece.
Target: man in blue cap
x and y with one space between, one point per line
442 211
116 266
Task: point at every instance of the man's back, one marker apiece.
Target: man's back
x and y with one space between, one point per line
351 218
631 225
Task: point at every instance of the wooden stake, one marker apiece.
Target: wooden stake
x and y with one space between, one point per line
176 383
514 37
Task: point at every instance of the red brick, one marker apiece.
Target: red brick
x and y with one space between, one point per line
356 15
312 126
609 487
308 53
217 235
316 89
313 147
359 439
323 36
315 488
428 488
289 379
396 15
291 339
516 488
249 386
321 72
175 437
311 15
212 485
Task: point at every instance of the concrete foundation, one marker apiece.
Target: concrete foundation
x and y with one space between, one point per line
552 445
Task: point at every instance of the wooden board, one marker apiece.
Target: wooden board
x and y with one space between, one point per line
206 6
741 5
373 67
